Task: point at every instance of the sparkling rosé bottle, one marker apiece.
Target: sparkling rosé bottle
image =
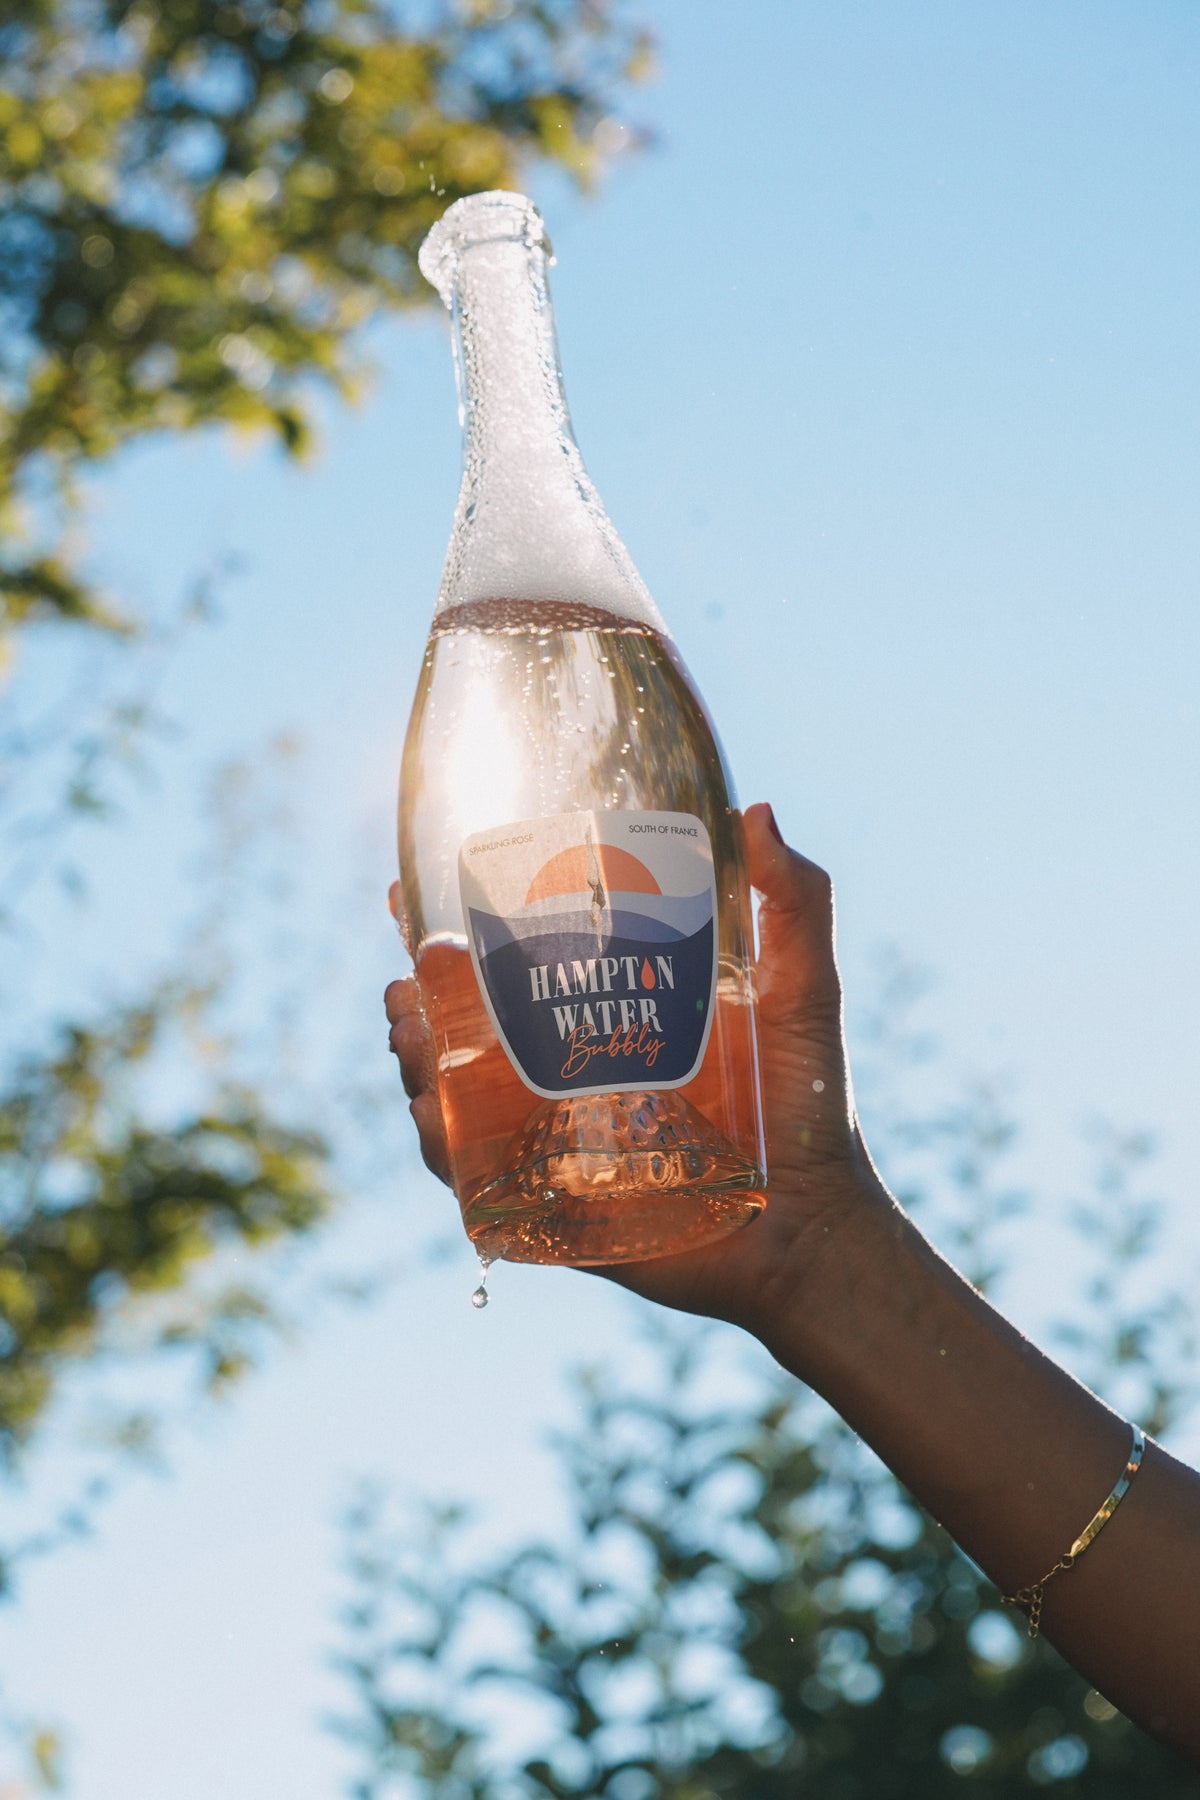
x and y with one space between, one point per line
573 886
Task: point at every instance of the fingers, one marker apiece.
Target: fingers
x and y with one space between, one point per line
411 1041
402 998
796 965
431 1130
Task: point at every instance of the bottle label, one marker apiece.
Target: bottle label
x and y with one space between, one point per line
593 938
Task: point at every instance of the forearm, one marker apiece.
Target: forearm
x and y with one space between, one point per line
1005 1449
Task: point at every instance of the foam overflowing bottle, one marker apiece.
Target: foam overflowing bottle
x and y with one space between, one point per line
573 887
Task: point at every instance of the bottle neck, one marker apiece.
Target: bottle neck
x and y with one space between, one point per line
512 405
529 527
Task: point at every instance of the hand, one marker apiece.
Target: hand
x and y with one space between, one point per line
819 1170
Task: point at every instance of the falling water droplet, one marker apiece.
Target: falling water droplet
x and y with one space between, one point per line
480 1297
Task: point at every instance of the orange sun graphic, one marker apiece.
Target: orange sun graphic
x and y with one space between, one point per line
567 873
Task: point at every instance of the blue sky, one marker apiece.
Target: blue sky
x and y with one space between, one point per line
885 361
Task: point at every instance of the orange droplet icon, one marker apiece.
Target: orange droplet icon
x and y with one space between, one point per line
648 980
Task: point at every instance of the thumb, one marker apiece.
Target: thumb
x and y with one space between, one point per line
797 968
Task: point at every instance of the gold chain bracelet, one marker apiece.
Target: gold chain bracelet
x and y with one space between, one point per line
1029 1599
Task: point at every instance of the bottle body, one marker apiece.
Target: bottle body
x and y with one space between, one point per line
574 892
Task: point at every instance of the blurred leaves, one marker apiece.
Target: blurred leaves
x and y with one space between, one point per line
745 1603
747 1607
202 205
1135 1338
75 749
97 1204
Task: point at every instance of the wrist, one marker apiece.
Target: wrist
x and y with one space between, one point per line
833 1231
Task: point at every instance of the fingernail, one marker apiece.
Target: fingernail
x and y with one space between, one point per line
772 827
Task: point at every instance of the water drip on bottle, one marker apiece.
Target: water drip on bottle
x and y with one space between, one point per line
480 1297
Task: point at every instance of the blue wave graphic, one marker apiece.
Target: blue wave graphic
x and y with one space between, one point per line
684 912
671 920
490 931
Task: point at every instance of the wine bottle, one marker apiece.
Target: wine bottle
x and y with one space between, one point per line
573 886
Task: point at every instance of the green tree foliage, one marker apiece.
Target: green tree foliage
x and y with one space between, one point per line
139 1143
748 1605
148 1157
202 204
200 207
97 1205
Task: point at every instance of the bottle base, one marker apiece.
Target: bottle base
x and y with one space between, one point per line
611 1178
628 1225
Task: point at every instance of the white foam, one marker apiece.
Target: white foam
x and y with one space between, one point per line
529 523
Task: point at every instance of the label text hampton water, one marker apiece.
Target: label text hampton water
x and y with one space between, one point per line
599 975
